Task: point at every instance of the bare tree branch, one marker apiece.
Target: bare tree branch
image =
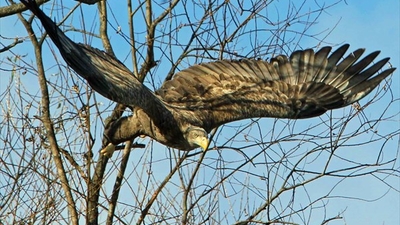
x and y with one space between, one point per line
256 171
48 124
16 8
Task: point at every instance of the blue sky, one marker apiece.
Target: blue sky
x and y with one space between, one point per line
374 25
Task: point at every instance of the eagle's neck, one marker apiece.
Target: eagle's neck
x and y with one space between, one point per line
131 127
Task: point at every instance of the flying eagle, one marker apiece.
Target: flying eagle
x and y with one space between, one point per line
202 97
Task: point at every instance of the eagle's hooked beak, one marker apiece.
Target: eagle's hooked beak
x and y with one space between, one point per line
202 142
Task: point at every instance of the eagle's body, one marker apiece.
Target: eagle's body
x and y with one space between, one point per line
205 96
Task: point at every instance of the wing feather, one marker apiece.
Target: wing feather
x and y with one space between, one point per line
342 68
304 85
328 72
320 64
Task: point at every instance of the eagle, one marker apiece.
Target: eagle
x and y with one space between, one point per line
182 112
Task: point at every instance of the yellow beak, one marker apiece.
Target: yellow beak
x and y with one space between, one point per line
203 143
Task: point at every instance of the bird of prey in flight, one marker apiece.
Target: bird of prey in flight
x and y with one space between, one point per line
202 97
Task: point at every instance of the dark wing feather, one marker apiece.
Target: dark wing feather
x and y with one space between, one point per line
305 85
105 74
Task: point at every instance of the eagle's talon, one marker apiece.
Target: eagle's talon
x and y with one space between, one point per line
108 150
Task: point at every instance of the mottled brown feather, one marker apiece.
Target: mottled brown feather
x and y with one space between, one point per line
305 85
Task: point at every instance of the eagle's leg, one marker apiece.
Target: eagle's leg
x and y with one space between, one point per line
108 150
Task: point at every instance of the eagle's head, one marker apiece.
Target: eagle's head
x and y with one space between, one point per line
196 137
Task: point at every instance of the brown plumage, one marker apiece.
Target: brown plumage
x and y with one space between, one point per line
205 96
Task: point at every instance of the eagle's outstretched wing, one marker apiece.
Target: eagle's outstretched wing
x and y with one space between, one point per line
305 85
104 73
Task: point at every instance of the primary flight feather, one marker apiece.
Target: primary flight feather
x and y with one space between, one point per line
205 96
